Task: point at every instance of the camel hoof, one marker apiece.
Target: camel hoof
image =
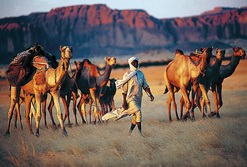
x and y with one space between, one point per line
193 119
54 127
37 134
7 134
65 134
211 114
218 115
184 118
69 125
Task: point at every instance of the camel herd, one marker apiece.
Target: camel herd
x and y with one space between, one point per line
193 74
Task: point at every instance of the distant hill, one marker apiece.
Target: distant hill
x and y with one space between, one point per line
96 30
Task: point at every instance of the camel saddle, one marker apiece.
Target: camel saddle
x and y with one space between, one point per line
40 62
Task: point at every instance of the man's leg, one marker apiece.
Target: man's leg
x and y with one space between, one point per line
133 124
139 122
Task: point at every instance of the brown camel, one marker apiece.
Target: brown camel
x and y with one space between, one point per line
203 84
50 80
23 80
107 100
38 84
180 74
81 106
224 72
93 83
68 88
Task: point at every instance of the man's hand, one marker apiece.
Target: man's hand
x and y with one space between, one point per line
124 103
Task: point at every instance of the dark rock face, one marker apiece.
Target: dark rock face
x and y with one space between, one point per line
98 30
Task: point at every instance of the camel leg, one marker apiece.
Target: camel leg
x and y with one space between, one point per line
37 115
15 117
17 110
181 107
66 107
168 103
81 109
74 106
19 114
51 115
28 99
220 102
96 110
44 112
187 102
112 108
83 113
56 98
90 103
205 99
213 87
13 101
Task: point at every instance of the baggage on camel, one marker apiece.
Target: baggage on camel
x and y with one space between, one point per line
21 66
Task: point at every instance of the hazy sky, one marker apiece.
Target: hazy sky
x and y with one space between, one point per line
157 8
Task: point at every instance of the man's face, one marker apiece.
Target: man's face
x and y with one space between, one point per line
135 63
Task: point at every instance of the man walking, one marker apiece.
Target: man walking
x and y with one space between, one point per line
132 84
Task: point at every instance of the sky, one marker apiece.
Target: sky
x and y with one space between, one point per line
156 8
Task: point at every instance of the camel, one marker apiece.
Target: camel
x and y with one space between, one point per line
93 83
203 84
180 74
26 79
224 72
50 80
81 106
107 100
68 88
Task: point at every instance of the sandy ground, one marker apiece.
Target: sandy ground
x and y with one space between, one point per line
205 142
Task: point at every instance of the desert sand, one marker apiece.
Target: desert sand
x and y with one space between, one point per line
204 142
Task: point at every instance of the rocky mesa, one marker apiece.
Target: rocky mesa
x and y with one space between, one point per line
96 30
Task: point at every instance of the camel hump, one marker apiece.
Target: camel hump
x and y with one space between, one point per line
178 51
40 62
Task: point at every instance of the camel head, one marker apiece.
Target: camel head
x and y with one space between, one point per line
66 52
220 54
111 61
238 51
78 65
86 63
207 52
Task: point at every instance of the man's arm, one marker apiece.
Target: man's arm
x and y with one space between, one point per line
149 93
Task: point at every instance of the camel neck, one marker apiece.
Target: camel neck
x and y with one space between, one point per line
76 75
61 70
228 70
103 79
